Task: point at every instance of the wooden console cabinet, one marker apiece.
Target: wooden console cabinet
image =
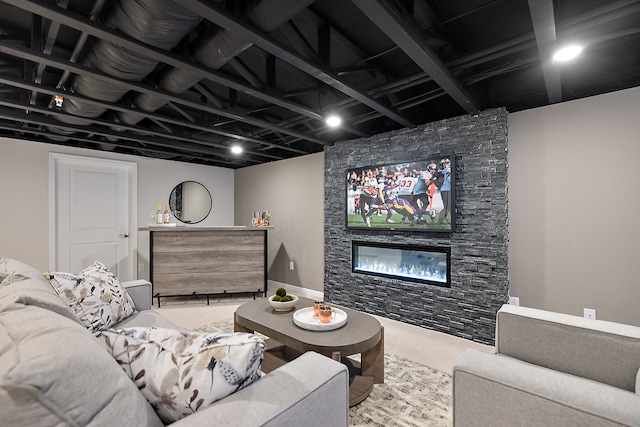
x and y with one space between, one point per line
207 260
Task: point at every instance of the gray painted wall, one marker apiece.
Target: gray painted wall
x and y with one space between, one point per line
574 174
24 185
479 265
293 191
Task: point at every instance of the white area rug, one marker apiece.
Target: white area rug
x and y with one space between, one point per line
412 395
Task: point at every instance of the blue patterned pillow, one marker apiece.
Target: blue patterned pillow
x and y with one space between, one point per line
181 372
95 295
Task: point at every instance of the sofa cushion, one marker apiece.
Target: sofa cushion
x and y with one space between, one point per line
182 372
95 295
20 283
9 266
147 319
53 372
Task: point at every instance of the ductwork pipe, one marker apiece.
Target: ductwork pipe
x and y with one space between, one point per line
216 47
160 23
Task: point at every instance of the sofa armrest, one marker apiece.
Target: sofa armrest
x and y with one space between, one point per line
496 390
602 351
140 293
310 391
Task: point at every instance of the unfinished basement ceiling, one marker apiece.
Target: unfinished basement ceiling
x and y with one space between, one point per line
186 80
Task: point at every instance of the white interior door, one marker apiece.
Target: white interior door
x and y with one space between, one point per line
93 201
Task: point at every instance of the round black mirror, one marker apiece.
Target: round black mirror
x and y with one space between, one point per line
190 202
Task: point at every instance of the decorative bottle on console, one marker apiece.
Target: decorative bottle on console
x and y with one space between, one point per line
159 215
166 217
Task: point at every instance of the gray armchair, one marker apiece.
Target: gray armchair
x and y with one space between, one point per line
550 369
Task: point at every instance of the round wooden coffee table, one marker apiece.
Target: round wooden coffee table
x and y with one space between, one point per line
362 334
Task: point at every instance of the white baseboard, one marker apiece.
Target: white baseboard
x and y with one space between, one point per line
296 290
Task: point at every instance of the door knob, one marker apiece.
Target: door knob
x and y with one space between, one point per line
125 235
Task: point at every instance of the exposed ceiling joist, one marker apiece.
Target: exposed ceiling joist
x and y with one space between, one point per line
125 132
382 76
189 89
150 150
26 117
544 28
257 37
13 50
402 28
158 118
40 7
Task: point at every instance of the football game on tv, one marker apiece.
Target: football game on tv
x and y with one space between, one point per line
411 196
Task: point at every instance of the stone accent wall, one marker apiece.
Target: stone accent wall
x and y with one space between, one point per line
479 252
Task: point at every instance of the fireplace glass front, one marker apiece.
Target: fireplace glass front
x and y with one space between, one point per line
422 264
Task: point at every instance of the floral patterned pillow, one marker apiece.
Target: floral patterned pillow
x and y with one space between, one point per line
95 295
182 372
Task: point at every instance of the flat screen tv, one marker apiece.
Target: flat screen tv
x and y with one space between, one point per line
410 196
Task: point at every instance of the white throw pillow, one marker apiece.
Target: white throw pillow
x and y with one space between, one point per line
95 295
182 372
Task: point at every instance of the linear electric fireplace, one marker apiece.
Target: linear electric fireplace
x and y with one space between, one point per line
414 263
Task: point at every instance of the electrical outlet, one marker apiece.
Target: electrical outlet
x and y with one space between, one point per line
514 300
140 267
590 313
291 266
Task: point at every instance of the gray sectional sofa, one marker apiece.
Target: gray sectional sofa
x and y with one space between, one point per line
53 372
550 369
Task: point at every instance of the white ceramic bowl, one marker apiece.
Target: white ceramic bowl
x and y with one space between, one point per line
283 306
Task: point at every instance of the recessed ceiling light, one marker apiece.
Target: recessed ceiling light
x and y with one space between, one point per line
567 53
333 121
236 149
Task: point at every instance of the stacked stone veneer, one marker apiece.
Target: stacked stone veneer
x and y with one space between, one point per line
479 268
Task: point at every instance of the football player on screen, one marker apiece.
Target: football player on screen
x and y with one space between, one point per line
403 207
406 181
387 193
368 197
445 190
423 192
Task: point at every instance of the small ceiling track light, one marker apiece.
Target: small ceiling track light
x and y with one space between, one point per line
333 120
236 149
567 53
